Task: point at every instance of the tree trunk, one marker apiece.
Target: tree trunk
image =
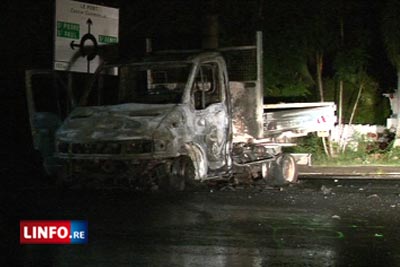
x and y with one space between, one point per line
319 64
341 89
340 111
340 114
210 32
340 104
319 58
396 142
353 112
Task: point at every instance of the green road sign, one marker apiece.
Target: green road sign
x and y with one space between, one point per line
68 30
108 39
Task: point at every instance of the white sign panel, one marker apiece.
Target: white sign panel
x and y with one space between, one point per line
81 29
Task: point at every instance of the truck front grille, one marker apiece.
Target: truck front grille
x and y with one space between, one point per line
96 148
139 147
131 147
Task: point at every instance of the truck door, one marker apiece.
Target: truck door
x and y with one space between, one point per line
48 105
211 113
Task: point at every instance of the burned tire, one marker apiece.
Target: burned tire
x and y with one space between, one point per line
285 170
264 171
182 174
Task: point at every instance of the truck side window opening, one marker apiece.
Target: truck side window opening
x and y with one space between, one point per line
206 89
50 95
45 96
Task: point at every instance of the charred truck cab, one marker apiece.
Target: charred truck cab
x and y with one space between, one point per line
171 119
164 118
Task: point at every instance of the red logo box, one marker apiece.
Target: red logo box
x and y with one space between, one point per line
45 232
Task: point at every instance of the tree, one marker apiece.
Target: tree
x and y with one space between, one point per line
391 38
320 35
286 57
351 65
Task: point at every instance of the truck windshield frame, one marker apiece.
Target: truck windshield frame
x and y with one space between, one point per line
141 83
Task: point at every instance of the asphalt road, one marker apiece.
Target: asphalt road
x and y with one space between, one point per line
314 223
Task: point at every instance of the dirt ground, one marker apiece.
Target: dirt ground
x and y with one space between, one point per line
317 222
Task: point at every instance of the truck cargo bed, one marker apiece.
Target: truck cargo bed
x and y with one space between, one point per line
298 119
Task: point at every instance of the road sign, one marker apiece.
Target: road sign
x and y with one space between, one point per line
81 29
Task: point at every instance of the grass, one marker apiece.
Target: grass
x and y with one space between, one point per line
366 153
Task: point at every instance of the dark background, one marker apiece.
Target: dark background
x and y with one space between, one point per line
27 43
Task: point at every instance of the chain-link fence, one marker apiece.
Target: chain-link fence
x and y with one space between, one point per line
241 63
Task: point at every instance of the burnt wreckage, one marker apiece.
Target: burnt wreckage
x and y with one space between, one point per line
172 119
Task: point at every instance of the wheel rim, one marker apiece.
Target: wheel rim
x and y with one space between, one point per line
187 169
182 172
288 169
177 180
264 171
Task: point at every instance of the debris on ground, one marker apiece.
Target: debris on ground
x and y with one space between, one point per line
373 196
228 188
325 190
267 187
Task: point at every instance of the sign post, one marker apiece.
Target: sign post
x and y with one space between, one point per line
81 29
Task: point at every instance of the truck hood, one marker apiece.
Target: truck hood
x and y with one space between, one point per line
119 122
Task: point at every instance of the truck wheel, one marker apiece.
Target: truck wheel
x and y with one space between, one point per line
285 170
264 171
182 173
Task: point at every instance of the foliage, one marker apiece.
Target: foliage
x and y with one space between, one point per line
350 64
286 69
391 31
368 99
366 152
308 144
371 100
286 76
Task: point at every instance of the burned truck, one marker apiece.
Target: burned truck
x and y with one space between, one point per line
176 119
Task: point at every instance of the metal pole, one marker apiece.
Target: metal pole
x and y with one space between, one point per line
149 49
260 84
70 91
29 96
396 142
